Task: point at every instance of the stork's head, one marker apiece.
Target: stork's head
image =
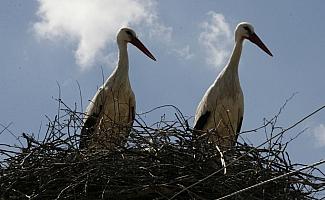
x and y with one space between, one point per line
245 30
126 35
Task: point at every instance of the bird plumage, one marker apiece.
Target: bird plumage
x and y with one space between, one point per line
111 112
221 109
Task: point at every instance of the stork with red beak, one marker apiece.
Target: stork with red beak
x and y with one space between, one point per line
221 109
110 114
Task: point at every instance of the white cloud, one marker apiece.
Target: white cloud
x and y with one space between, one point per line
319 133
216 38
159 30
184 53
93 23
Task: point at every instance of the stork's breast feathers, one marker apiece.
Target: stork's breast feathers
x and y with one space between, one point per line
223 106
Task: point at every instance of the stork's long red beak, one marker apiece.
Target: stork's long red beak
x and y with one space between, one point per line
256 40
136 42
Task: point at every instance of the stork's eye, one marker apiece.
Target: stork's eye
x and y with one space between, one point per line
248 29
129 33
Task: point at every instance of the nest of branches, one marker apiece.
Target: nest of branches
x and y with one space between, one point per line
160 161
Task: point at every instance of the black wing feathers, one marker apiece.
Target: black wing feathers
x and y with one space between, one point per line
86 131
202 121
239 125
238 128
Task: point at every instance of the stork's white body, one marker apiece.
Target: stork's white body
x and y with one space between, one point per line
225 101
114 101
110 114
221 109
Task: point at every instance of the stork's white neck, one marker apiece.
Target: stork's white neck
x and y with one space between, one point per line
232 66
123 60
120 75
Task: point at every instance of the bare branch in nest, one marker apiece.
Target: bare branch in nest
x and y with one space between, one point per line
160 161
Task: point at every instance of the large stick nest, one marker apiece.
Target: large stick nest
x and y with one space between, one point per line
161 161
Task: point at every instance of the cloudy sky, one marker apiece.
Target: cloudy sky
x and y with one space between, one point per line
45 43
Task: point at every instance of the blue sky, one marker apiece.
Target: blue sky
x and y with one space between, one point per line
46 42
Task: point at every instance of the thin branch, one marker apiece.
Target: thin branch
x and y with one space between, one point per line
216 172
272 179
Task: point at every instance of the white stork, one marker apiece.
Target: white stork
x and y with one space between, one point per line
111 112
222 106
